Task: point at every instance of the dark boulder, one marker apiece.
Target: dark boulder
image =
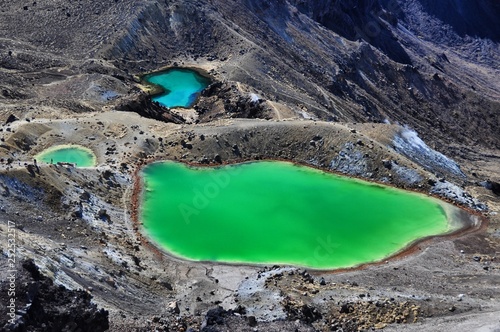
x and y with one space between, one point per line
491 185
11 119
495 187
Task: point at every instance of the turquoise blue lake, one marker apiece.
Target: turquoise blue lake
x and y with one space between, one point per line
181 86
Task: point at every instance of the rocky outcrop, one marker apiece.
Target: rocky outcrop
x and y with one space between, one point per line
465 18
223 99
492 185
140 103
495 187
452 192
363 20
351 160
11 119
43 306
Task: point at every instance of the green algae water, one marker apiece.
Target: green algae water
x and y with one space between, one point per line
75 154
280 213
181 86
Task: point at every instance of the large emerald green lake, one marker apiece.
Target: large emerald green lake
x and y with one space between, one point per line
279 213
181 86
75 154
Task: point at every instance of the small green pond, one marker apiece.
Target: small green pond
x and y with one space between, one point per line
181 86
280 213
75 154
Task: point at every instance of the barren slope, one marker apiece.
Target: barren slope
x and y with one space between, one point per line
401 92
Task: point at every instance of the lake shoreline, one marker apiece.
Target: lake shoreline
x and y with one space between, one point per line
157 90
56 148
466 222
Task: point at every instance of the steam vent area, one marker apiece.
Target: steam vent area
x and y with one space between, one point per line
250 165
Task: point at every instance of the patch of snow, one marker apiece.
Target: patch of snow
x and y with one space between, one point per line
254 98
409 144
306 115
